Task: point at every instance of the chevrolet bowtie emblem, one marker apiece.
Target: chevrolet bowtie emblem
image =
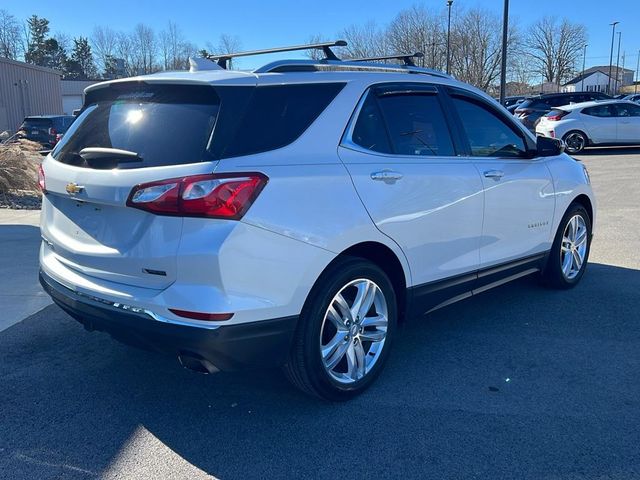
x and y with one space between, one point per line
73 188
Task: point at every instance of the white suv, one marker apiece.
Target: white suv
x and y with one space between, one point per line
295 215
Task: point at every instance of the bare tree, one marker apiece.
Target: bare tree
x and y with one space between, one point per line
417 29
316 54
103 41
365 40
174 49
144 41
10 42
555 47
226 44
124 50
476 45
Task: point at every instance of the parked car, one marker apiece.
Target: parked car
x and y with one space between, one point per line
612 122
532 109
45 129
514 100
634 97
296 219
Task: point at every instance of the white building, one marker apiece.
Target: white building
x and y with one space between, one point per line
72 94
589 82
597 79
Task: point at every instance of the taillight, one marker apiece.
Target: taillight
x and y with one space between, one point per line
226 195
41 182
53 131
556 116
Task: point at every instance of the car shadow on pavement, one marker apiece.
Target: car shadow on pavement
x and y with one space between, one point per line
606 151
520 382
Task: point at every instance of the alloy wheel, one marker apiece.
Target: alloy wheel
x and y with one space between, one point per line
573 247
353 331
574 142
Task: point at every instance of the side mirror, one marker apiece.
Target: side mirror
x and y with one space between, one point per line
549 147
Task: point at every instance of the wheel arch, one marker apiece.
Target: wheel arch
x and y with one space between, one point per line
585 201
385 258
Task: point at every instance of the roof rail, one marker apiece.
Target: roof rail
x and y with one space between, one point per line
223 58
405 57
281 66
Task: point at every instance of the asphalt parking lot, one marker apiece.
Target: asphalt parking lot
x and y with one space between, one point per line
521 382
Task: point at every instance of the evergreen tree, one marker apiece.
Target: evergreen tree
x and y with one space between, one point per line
81 65
38 29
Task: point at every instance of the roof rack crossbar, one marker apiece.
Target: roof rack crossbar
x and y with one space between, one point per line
223 58
407 58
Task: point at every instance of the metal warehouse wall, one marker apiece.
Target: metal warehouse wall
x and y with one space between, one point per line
27 90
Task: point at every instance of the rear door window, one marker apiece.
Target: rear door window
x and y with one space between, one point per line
416 123
164 125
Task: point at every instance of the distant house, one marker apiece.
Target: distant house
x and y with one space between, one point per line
597 79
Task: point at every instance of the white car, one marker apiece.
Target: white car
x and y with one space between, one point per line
580 125
295 215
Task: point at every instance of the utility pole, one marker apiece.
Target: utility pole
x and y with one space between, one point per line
615 84
503 70
613 36
584 57
635 85
449 3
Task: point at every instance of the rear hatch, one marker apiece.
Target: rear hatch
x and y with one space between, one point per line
166 132
38 129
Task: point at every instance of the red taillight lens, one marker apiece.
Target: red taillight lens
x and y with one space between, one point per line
53 131
41 181
225 195
211 317
557 115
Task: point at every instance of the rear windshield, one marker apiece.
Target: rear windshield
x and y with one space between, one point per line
179 124
36 123
531 104
164 126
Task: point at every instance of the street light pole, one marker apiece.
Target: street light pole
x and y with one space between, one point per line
635 86
449 3
503 69
584 57
613 36
615 83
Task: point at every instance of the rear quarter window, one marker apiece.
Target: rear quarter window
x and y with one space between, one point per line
278 114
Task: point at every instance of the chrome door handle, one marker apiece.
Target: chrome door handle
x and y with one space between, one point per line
494 174
387 176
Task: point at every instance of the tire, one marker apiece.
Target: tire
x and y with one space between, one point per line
575 141
558 272
358 347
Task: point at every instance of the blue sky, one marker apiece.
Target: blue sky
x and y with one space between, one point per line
265 23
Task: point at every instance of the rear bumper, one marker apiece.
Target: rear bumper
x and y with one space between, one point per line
263 343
